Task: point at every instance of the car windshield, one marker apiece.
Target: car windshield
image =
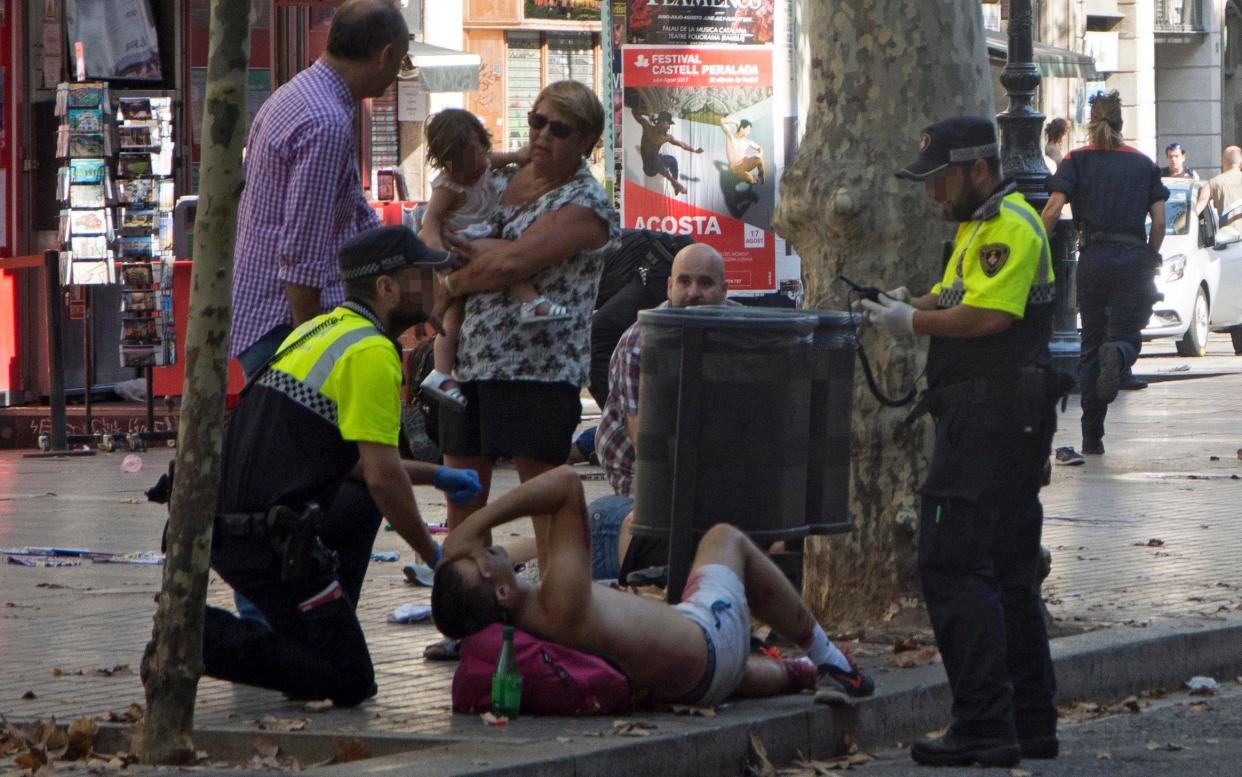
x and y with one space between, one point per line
1177 212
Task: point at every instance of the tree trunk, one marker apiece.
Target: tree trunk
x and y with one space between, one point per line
880 71
173 660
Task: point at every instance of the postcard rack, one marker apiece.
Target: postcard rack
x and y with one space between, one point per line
117 195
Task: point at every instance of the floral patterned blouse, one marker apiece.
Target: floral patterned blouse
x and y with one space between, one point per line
493 344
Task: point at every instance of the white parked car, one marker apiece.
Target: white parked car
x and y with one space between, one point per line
1201 278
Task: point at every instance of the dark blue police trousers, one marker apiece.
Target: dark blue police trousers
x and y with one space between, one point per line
1116 291
978 562
320 654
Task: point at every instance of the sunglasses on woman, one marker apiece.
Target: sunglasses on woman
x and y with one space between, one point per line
559 129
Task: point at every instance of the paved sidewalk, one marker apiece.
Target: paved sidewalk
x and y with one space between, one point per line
58 626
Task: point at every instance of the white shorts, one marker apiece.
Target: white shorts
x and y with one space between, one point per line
715 599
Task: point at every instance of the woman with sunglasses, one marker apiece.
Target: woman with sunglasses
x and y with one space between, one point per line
522 384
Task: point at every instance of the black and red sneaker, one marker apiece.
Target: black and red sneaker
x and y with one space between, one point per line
853 682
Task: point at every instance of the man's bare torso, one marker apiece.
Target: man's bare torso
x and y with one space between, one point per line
661 650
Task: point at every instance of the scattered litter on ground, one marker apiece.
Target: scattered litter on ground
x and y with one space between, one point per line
273 723
700 712
28 561
1178 368
93 671
143 557
321 705
131 463
1081 711
1167 747
385 556
1152 543
1104 755
495 722
410 613
1200 685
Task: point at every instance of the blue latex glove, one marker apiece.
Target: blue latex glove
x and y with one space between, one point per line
461 485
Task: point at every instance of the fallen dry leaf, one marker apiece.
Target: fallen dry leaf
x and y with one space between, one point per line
903 645
1104 755
131 714
266 748
348 750
1019 773
491 720
760 765
272 723
912 658
318 706
1198 707
33 758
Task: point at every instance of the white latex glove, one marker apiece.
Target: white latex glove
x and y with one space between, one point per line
890 315
901 294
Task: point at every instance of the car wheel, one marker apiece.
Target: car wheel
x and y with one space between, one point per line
1236 335
1194 342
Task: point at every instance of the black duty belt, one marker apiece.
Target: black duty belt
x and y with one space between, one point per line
997 385
276 521
1092 238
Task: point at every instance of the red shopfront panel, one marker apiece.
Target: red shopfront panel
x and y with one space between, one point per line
10 378
167 381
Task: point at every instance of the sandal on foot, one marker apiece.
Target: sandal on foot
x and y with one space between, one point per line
529 313
444 650
433 385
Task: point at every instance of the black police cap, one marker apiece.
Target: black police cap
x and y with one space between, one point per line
386 250
959 139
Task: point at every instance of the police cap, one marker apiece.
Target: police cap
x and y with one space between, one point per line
948 142
386 250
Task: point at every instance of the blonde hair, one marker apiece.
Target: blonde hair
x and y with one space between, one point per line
579 102
1104 128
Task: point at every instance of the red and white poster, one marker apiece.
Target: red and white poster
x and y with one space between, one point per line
699 152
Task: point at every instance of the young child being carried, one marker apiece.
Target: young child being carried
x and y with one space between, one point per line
464 202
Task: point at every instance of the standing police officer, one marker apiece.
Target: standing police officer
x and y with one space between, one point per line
316 432
993 401
1113 187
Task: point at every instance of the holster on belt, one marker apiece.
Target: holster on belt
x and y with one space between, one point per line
293 536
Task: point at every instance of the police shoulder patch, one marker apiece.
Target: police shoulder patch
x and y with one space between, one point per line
992 258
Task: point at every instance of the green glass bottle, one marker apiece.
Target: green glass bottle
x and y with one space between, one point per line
507 681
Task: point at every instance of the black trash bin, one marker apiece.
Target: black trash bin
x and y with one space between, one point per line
724 431
832 407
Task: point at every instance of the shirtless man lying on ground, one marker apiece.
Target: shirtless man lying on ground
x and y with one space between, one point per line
697 652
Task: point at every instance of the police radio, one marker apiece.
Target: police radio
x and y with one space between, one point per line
872 293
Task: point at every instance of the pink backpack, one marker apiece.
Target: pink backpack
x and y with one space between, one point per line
556 680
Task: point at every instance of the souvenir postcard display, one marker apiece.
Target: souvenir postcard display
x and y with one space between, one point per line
117 196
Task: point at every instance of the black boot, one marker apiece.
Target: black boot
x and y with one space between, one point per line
956 750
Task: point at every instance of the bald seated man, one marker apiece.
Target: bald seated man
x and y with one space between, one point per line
696 278
1225 190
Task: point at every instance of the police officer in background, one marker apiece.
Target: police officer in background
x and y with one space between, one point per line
993 400
1113 188
314 435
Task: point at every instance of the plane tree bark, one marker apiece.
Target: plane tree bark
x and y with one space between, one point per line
880 71
173 662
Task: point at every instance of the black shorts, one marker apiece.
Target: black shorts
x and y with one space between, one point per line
513 418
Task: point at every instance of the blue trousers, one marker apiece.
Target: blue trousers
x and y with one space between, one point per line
1116 292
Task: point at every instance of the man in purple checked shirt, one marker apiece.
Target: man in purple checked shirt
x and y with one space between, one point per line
303 195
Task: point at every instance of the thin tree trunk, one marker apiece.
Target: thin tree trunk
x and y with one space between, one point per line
173 661
881 70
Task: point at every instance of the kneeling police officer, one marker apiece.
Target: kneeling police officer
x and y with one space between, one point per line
310 464
993 400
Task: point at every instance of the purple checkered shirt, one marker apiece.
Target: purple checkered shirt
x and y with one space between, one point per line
303 198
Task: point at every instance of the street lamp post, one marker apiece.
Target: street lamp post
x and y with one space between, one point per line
1022 159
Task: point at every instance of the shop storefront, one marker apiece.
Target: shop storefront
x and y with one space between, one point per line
47 42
